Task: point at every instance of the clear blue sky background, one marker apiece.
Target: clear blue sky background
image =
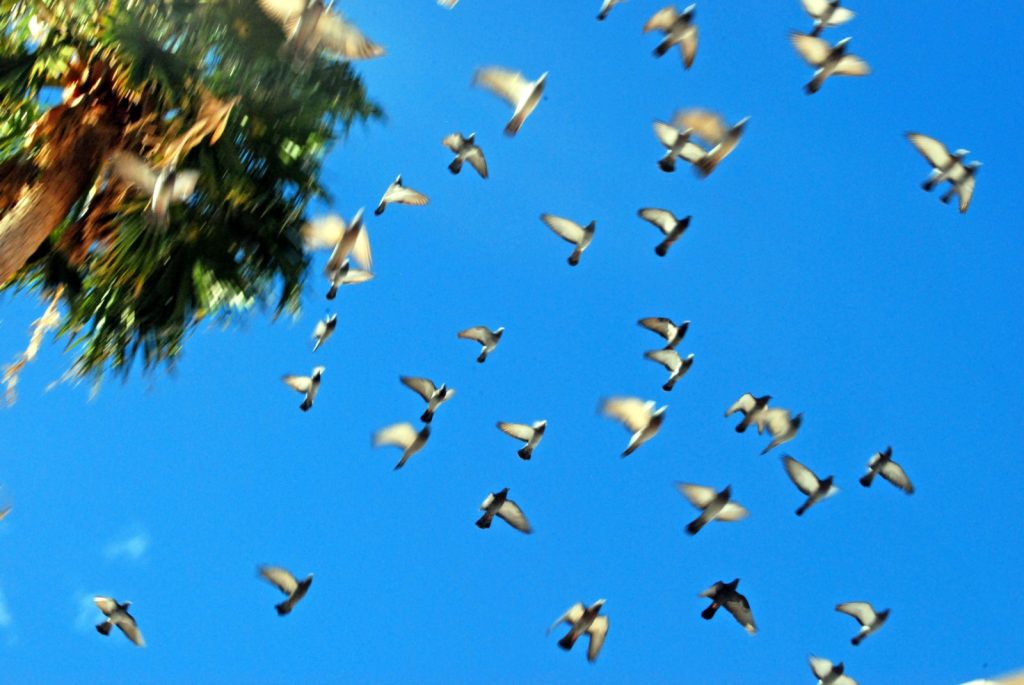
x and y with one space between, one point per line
815 269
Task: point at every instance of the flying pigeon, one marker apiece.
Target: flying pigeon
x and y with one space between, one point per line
498 503
434 396
163 186
572 232
781 425
826 13
639 417
485 336
677 145
324 329
963 179
400 195
117 615
671 332
312 24
946 166
828 60
677 366
351 239
531 435
343 274
447 4
753 409
869 619
882 463
668 224
714 506
808 483
584 620
466 150
710 128
606 7
827 674
678 28
724 594
513 87
284 581
307 385
404 437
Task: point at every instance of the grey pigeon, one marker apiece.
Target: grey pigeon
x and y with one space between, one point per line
307 385
881 463
724 594
404 437
829 674
284 581
752 408
117 615
323 330
826 13
666 222
678 28
524 95
398 194
584 620
638 416
531 435
672 333
486 337
466 150
164 186
714 506
828 60
869 619
312 25
434 396
677 366
498 504
572 232
808 483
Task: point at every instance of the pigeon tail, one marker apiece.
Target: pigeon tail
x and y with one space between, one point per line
668 386
482 357
803 508
602 16
567 642
667 163
662 48
856 641
484 521
283 609
456 166
104 628
693 527
428 415
948 196
574 259
525 453
332 293
812 87
306 404
867 478
929 184
380 208
709 613
514 124
661 250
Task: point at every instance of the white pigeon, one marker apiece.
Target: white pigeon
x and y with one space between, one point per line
828 60
584 621
398 194
944 163
781 425
323 330
485 336
639 416
404 437
677 366
311 25
881 463
498 504
869 619
712 129
287 583
466 150
606 7
513 87
531 435
827 674
164 186
344 274
678 28
117 615
434 396
826 13
753 409
714 506
307 385
672 333
808 483
572 232
666 222
677 145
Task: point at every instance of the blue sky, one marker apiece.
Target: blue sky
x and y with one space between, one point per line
815 270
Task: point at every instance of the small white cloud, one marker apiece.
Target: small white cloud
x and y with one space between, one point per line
133 547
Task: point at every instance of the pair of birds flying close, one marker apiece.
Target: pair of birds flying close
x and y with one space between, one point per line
827 59
312 26
780 423
677 137
674 363
404 435
347 240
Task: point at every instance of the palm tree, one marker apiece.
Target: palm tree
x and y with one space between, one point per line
194 83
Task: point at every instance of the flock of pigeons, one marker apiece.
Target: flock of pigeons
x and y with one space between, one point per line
311 26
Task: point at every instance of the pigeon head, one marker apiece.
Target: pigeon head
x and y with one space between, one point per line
499 331
318 371
882 615
598 604
732 585
838 668
961 153
842 44
399 179
689 11
797 420
727 491
974 165
503 493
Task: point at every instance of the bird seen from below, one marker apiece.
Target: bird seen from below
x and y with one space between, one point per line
398 194
524 95
678 28
816 489
404 437
881 463
828 60
584 620
714 506
666 222
466 150
638 416
869 619
530 434
724 594
487 338
498 504
307 385
284 581
676 365
433 395
571 232
117 615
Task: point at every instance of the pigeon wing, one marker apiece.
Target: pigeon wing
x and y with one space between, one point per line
454 142
821 668
708 126
282 10
803 478
566 229
668 358
342 37
598 629
298 383
777 421
399 435
476 159
745 404
862 611
481 334
423 387
519 431
688 46
133 170
700 496
965 189
894 473
733 512
660 325
280 578
851 65
632 411
514 516
665 133
405 196
813 50
662 20
662 218
105 604
353 276
739 607
323 232
131 630
571 616
815 8
506 84
840 15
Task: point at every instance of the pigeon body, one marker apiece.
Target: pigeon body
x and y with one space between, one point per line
434 396
672 333
826 13
869 619
117 615
829 674
666 222
753 410
828 60
398 194
677 145
584 621
313 25
531 435
606 7
404 437
713 505
678 28
882 464
638 416
498 504
164 186
307 385
725 595
514 88
944 163
351 239
323 330
466 150
808 483
963 179
712 129
287 583
572 232
781 425
677 366
486 337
